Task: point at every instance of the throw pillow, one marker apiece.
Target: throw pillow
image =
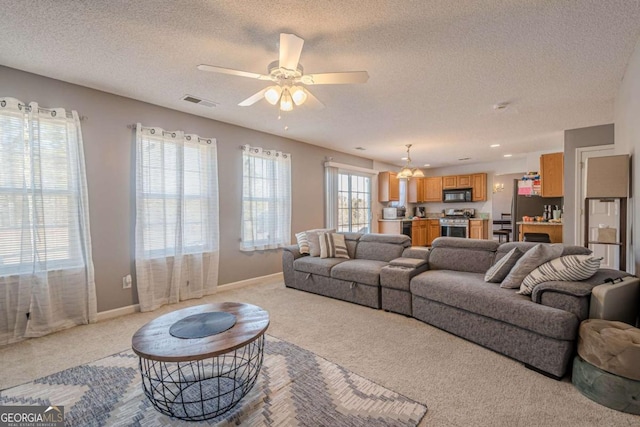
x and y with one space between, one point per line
314 239
501 269
332 245
566 268
303 242
531 259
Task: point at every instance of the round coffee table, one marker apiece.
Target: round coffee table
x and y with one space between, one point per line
196 379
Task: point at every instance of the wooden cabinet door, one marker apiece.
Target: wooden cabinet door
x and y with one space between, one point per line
479 187
449 182
433 230
552 175
464 181
478 229
432 189
388 187
415 190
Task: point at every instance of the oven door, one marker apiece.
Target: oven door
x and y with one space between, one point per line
454 231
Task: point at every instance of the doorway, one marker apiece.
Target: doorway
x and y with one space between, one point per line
502 198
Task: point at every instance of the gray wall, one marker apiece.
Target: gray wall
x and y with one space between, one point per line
575 138
109 147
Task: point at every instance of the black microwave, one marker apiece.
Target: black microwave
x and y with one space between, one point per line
456 196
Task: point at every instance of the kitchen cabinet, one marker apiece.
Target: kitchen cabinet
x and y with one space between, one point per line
419 232
415 190
433 230
432 187
388 187
479 229
479 187
390 227
552 175
456 181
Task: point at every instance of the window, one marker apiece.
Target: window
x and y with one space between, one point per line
266 199
354 203
348 197
177 199
40 190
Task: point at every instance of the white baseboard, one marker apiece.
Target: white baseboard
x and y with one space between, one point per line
117 312
269 278
130 309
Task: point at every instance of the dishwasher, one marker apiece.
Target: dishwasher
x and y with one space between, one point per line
406 228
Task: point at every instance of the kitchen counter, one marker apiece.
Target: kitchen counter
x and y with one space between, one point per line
553 229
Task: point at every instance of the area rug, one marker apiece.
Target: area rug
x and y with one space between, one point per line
295 387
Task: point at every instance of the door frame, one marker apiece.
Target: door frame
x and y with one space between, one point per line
579 180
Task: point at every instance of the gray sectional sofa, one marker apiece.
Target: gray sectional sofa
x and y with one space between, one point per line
445 287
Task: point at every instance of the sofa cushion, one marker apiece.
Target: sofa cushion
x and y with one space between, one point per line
501 269
531 259
381 247
469 292
454 253
408 262
332 245
359 270
504 248
566 268
316 265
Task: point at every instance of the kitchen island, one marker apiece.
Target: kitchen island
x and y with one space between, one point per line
553 229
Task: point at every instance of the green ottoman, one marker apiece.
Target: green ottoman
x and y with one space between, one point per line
607 367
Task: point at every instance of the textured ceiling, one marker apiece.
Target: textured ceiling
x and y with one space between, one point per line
436 67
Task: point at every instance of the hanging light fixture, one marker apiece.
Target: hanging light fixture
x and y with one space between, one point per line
407 171
272 95
286 103
299 95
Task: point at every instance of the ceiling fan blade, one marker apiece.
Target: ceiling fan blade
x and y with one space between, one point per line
335 78
312 101
222 70
253 98
290 50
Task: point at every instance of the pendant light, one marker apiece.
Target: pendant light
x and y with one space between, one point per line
272 95
286 103
407 171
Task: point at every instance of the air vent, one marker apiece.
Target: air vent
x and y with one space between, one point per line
199 101
360 148
465 158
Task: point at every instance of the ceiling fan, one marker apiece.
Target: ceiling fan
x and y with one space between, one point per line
289 78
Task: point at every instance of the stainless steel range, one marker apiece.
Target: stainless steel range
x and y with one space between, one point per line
456 222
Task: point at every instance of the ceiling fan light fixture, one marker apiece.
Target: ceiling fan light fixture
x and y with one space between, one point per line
286 103
272 95
299 95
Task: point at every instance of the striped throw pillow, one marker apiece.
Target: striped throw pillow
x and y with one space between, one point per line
566 268
332 245
303 242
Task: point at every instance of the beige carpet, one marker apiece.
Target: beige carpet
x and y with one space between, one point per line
463 384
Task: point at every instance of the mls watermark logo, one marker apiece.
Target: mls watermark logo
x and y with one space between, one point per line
32 416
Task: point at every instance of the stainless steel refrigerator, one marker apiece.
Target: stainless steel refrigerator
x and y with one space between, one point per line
528 206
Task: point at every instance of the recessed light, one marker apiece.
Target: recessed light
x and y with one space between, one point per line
426 165
403 158
508 155
494 145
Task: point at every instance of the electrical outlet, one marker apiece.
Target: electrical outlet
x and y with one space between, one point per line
126 282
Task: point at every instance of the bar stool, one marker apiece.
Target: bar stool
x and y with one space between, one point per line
505 227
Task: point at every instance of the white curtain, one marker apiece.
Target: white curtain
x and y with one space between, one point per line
46 270
177 236
266 199
331 195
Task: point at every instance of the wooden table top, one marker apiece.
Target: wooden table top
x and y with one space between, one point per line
153 341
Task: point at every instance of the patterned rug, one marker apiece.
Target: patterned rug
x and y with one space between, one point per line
295 387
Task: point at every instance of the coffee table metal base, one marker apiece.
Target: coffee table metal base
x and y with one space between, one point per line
202 389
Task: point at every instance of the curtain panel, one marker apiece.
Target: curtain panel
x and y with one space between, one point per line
266 199
46 270
177 228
